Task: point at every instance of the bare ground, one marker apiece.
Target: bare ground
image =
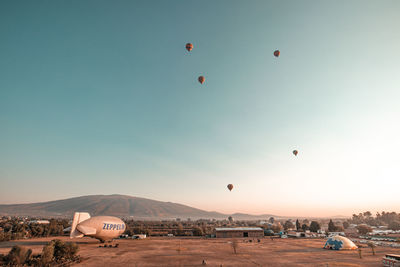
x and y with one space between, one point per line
215 252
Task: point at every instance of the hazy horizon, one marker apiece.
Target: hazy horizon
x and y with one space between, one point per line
100 97
262 213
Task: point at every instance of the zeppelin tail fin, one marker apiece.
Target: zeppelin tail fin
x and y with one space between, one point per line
78 217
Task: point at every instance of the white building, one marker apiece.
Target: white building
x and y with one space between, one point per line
39 222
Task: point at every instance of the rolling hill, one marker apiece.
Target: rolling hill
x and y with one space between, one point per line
116 205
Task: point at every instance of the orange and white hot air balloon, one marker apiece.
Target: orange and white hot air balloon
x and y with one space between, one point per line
230 187
189 47
201 79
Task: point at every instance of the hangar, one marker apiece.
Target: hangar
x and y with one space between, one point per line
239 232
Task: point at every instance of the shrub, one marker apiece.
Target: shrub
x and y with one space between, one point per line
64 250
47 255
18 256
58 251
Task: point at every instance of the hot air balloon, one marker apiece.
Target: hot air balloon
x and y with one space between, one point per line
230 187
201 79
189 47
295 152
277 53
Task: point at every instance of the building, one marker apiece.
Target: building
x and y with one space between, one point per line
239 232
293 234
39 222
141 236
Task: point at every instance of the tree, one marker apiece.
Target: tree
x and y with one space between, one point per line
180 230
197 231
364 229
129 231
355 219
234 245
388 217
148 231
394 225
305 227
372 246
346 225
298 226
54 228
37 229
276 227
288 225
271 219
331 226
230 219
339 228
360 252
367 214
314 226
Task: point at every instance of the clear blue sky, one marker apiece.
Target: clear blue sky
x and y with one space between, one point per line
101 97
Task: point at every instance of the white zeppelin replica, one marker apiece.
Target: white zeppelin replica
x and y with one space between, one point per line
103 228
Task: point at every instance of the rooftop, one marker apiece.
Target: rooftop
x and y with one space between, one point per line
240 229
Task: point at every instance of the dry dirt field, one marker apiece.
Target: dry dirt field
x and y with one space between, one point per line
215 252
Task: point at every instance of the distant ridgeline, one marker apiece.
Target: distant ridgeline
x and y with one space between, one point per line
117 205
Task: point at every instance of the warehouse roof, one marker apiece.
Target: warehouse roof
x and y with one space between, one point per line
240 229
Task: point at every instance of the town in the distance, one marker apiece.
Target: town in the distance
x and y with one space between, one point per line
364 238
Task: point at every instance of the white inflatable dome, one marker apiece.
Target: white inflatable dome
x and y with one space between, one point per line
338 242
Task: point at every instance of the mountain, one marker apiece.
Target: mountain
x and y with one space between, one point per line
117 205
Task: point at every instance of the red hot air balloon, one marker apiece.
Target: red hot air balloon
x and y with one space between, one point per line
295 152
230 187
277 53
189 47
201 79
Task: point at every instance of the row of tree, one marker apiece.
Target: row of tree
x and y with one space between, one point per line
16 229
391 219
207 227
314 226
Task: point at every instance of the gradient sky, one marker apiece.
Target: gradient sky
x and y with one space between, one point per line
101 97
